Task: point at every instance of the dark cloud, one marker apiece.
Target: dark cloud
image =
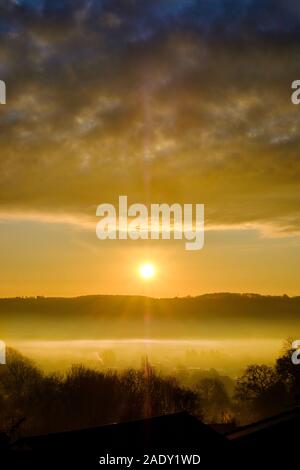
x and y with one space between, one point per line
161 99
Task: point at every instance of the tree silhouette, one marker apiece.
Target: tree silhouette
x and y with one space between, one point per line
82 397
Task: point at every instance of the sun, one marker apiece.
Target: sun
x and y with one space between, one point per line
147 271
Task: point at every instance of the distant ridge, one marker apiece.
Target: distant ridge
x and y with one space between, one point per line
208 295
106 316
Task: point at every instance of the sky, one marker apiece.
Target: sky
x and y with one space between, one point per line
163 101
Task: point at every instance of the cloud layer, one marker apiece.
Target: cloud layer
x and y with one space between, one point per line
162 100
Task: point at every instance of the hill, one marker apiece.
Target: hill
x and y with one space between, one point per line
105 316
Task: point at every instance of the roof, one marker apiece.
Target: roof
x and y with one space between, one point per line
179 430
266 423
278 432
268 441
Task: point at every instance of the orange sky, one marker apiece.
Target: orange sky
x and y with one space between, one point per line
165 102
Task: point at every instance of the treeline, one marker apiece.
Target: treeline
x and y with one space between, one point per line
264 391
261 391
103 316
32 402
83 397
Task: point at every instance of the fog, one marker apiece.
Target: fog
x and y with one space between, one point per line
167 356
225 332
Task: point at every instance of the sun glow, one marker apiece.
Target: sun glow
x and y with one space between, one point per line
147 271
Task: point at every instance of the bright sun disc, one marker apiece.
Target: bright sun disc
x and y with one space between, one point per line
147 271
